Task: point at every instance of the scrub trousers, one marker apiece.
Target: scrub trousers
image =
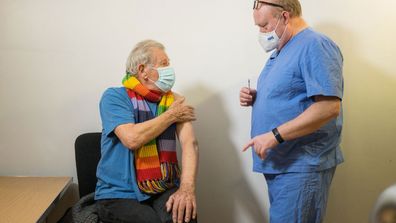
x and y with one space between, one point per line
299 197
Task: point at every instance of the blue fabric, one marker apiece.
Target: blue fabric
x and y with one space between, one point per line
299 197
116 169
309 64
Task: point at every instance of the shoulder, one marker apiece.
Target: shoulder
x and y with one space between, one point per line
115 91
114 94
320 41
179 96
313 44
176 95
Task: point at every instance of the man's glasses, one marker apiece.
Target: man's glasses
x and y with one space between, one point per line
257 3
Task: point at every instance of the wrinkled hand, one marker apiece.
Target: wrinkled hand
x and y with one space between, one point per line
181 112
247 96
183 205
261 144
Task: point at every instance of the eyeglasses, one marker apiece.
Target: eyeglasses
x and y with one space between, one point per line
257 2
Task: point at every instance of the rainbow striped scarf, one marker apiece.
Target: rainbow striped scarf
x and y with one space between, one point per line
156 162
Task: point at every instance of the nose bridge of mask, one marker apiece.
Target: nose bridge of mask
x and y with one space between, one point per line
165 71
166 78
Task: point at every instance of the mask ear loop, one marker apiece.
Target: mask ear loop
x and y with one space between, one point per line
277 23
284 30
150 66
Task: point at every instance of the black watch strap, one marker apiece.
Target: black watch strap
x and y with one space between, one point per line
277 135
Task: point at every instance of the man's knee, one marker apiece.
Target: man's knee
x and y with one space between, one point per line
126 211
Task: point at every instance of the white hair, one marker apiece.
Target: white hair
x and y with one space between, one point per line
387 199
141 54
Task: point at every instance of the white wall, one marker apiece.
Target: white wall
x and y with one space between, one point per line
57 57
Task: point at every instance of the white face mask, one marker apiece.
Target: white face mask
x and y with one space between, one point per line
270 40
166 78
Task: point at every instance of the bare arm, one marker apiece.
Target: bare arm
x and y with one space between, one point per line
189 145
183 201
134 136
319 113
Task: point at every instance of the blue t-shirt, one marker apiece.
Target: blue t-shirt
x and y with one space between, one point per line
309 64
116 168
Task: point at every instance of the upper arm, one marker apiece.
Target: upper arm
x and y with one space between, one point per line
115 110
185 134
185 130
322 69
330 104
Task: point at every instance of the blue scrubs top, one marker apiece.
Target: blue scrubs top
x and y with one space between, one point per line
309 64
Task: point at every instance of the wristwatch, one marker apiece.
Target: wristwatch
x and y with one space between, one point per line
277 135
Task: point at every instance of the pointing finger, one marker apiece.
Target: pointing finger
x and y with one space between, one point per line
248 145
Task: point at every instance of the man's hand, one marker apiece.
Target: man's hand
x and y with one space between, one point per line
183 205
247 96
261 144
181 112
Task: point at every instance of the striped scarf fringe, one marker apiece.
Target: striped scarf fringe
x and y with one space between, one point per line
170 172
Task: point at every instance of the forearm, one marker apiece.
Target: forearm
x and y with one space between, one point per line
311 119
189 147
134 136
190 165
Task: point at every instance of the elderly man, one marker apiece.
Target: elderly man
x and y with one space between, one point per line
296 116
138 175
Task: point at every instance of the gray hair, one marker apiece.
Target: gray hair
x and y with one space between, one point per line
141 54
291 6
386 202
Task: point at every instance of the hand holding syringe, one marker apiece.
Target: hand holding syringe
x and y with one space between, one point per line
247 95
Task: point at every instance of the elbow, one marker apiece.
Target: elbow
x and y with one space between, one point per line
129 136
335 110
192 144
132 146
195 145
336 114
133 143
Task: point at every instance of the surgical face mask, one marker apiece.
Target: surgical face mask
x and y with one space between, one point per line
270 40
166 78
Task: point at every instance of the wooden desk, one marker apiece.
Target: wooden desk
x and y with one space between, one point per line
29 199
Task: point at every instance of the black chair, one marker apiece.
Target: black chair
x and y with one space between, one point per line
87 151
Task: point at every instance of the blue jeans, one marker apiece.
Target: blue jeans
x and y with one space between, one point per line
299 197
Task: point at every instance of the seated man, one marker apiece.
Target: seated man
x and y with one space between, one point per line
138 175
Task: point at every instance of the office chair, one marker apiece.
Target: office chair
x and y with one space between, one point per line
87 152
